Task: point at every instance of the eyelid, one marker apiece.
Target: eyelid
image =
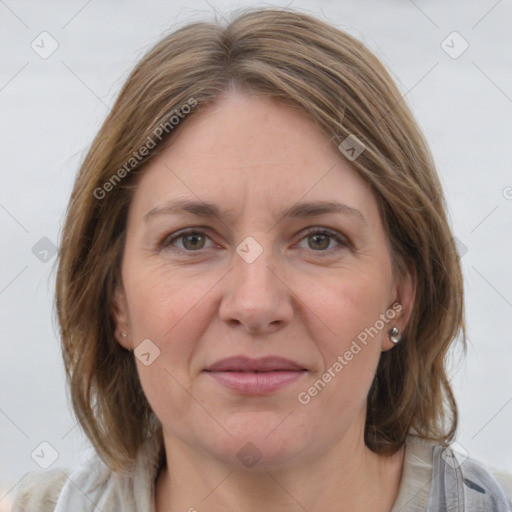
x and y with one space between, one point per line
342 240
170 238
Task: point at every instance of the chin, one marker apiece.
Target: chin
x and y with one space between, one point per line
258 441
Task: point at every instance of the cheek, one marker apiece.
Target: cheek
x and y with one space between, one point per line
173 317
352 302
161 303
347 313
173 312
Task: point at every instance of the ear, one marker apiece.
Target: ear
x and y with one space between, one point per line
119 312
403 293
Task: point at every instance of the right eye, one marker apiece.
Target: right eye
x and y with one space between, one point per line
191 240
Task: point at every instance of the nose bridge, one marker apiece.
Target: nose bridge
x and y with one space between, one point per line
252 266
256 298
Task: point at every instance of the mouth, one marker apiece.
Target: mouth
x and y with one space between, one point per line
255 376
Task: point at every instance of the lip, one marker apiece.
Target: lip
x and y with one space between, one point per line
255 376
247 364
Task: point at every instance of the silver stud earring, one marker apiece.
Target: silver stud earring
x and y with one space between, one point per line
123 334
394 335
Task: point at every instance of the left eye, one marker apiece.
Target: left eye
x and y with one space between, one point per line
320 240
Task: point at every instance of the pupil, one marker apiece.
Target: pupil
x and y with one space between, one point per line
194 238
325 240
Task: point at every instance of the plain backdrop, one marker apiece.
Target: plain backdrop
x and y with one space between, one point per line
452 61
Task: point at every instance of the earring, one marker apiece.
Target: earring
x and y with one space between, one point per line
123 334
394 335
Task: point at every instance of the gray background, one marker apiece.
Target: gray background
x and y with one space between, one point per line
52 107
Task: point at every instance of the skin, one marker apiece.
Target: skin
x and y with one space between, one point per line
198 301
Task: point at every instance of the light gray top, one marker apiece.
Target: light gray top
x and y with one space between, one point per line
434 479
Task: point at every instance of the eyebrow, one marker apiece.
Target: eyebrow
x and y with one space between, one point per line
297 211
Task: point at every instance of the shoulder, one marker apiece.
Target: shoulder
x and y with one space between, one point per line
486 486
449 473
92 485
43 490
39 490
504 479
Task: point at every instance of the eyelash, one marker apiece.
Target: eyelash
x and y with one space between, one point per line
342 241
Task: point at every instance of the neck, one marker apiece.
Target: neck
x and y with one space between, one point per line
349 477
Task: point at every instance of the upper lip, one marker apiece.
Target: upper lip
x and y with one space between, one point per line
247 364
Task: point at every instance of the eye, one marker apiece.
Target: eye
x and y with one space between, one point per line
319 240
191 240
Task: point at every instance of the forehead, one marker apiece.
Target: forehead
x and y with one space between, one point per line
245 151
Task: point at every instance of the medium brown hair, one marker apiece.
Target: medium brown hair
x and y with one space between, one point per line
308 65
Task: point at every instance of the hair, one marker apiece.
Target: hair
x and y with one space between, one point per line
311 66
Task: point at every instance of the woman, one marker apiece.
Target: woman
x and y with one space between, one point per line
258 288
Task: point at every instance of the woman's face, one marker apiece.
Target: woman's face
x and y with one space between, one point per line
294 264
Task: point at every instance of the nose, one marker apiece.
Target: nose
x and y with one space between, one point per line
256 297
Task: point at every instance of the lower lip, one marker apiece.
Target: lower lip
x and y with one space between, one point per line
256 383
